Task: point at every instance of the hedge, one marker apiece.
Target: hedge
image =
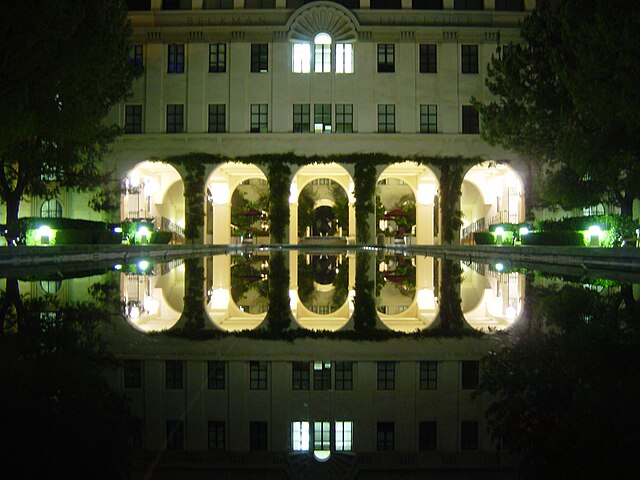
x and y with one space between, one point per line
483 238
570 238
616 227
161 237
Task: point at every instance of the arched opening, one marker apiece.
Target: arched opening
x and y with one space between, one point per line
51 208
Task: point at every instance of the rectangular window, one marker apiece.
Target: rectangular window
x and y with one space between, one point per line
133 119
428 119
468 435
301 117
176 58
216 373
217 118
321 375
322 58
260 4
386 375
427 436
344 118
321 435
428 58
470 120
322 117
344 376
386 118
469 58
428 375
217 57
510 5
344 58
300 377
385 435
344 436
135 56
216 436
470 374
174 374
217 4
386 4
175 118
386 57
300 436
301 58
257 436
259 57
426 4
468 4
259 117
132 374
258 375
175 435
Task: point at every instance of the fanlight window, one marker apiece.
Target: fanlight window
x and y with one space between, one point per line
319 58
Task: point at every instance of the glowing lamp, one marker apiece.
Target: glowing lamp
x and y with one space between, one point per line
595 231
500 231
499 267
524 231
44 234
143 265
117 266
117 229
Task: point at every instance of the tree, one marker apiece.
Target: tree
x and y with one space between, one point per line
567 97
63 65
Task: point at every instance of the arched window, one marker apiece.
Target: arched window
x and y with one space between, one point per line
51 208
51 286
322 53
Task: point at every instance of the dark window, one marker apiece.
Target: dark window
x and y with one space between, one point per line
470 120
176 58
468 435
259 3
217 57
300 377
470 372
259 57
386 4
217 118
175 118
344 3
428 119
258 375
301 117
386 57
135 56
428 438
176 4
468 4
428 58
217 4
321 375
174 374
175 435
259 117
216 436
428 375
386 118
134 5
510 5
322 117
427 4
135 439
385 439
344 118
257 435
469 58
132 374
344 376
133 119
51 208
386 375
216 374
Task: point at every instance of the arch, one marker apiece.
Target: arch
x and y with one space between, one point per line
317 17
51 208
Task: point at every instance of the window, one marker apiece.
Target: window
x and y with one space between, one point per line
468 435
510 5
257 435
301 117
258 375
135 56
470 120
216 373
135 439
468 4
470 370
51 208
259 57
176 58
175 118
175 435
217 58
50 286
469 58
174 374
133 119
217 4
386 4
386 375
428 375
259 3
344 118
300 436
133 5
427 436
344 435
321 436
386 57
386 118
176 4
428 58
322 53
344 376
216 436
426 4
217 118
344 58
300 378
385 436
428 119
259 117
301 58
132 374
321 375
322 117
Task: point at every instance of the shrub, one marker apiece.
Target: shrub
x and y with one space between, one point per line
483 238
616 227
559 237
161 237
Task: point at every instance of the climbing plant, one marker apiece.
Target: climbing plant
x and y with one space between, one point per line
364 308
451 175
279 178
279 314
364 190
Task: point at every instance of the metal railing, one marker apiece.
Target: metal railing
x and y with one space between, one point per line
476 226
167 225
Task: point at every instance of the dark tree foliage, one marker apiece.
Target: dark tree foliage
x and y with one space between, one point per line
567 97
63 65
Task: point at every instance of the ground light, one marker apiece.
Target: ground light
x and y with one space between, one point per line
142 232
524 231
45 235
499 233
499 267
595 234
